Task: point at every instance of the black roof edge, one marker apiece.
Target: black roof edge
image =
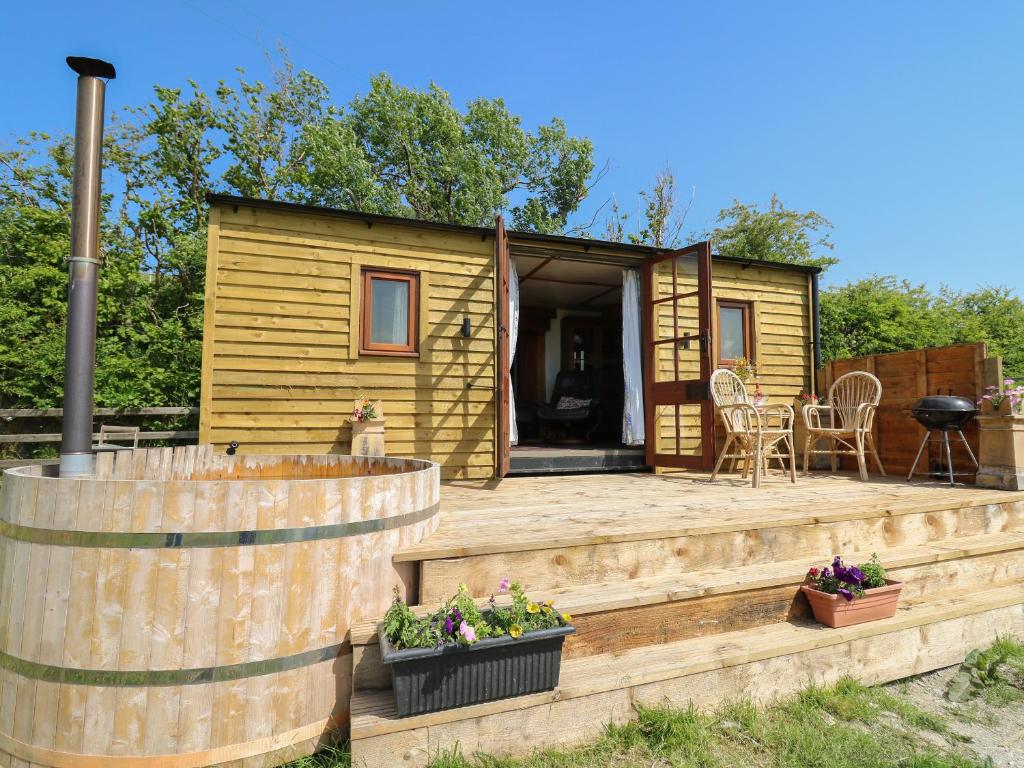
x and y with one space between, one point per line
214 198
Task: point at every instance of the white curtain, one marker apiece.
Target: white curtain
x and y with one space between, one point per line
633 410
513 336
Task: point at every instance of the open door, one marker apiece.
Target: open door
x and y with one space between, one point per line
503 373
679 412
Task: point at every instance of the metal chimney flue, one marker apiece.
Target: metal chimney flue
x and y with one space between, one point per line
76 457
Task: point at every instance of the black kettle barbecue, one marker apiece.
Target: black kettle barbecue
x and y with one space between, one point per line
944 414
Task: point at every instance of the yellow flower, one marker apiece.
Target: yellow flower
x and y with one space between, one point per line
532 608
548 606
566 618
515 630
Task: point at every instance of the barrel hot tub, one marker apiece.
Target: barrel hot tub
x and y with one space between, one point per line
181 609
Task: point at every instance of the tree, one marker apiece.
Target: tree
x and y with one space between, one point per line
885 314
405 152
992 314
395 150
880 314
777 234
663 216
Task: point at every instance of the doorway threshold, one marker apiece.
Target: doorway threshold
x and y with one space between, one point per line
551 459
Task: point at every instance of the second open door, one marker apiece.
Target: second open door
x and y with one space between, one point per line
677 361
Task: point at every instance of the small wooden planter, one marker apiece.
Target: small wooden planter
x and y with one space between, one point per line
432 679
1001 449
837 611
368 438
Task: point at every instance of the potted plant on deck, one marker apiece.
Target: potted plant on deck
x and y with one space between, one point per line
1001 437
460 655
367 428
747 371
842 595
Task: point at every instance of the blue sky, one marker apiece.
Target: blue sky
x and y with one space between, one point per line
900 122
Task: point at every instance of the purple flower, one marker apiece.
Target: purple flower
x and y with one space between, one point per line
846 593
449 625
837 563
504 584
826 573
856 575
456 615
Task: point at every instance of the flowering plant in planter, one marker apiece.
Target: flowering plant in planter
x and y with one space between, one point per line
747 370
807 398
460 654
365 410
460 621
1011 391
848 581
841 594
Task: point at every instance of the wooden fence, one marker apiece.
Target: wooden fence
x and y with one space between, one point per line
39 417
961 369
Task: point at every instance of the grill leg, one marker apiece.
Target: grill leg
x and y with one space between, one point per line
949 456
918 457
968 447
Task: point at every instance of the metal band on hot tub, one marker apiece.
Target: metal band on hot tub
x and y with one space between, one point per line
200 539
127 678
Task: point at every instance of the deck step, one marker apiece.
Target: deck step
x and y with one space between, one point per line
603 597
593 547
928 632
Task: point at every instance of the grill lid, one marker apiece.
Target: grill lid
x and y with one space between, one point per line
947 403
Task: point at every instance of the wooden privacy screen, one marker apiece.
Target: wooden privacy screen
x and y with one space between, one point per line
963 369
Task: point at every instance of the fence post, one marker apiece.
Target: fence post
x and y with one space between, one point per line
992 375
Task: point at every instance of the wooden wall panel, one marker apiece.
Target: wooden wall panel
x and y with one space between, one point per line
281 362
281 350
961 369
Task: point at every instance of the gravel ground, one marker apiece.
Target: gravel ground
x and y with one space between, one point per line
985 730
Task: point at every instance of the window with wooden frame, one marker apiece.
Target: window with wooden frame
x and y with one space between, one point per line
735 331
389 322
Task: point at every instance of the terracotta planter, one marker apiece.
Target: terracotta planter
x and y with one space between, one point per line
368 438
1001 451
837 611
989 410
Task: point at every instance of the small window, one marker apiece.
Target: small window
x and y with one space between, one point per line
733 332
390 312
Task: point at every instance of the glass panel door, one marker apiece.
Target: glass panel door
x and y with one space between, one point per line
680 415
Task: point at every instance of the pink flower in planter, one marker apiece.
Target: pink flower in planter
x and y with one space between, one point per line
503 585
467 632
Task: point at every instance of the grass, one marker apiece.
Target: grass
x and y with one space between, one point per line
1010 688
846 725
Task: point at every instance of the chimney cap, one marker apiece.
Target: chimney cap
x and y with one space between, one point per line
87 67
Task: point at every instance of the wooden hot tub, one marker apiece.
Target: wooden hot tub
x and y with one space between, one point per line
195 608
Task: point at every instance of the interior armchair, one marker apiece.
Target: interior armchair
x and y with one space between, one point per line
847 415
575 399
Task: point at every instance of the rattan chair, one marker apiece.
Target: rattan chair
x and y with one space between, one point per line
850 412
752 433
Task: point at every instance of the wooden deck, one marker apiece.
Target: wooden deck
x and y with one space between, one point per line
530 513
682 590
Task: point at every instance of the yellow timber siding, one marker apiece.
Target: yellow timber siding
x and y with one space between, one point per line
281 362
781 323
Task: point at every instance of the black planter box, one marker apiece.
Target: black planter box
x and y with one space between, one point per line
432 679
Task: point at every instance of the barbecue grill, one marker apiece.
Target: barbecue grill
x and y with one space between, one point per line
943 414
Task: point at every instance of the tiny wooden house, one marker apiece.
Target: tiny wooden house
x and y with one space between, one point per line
492 351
